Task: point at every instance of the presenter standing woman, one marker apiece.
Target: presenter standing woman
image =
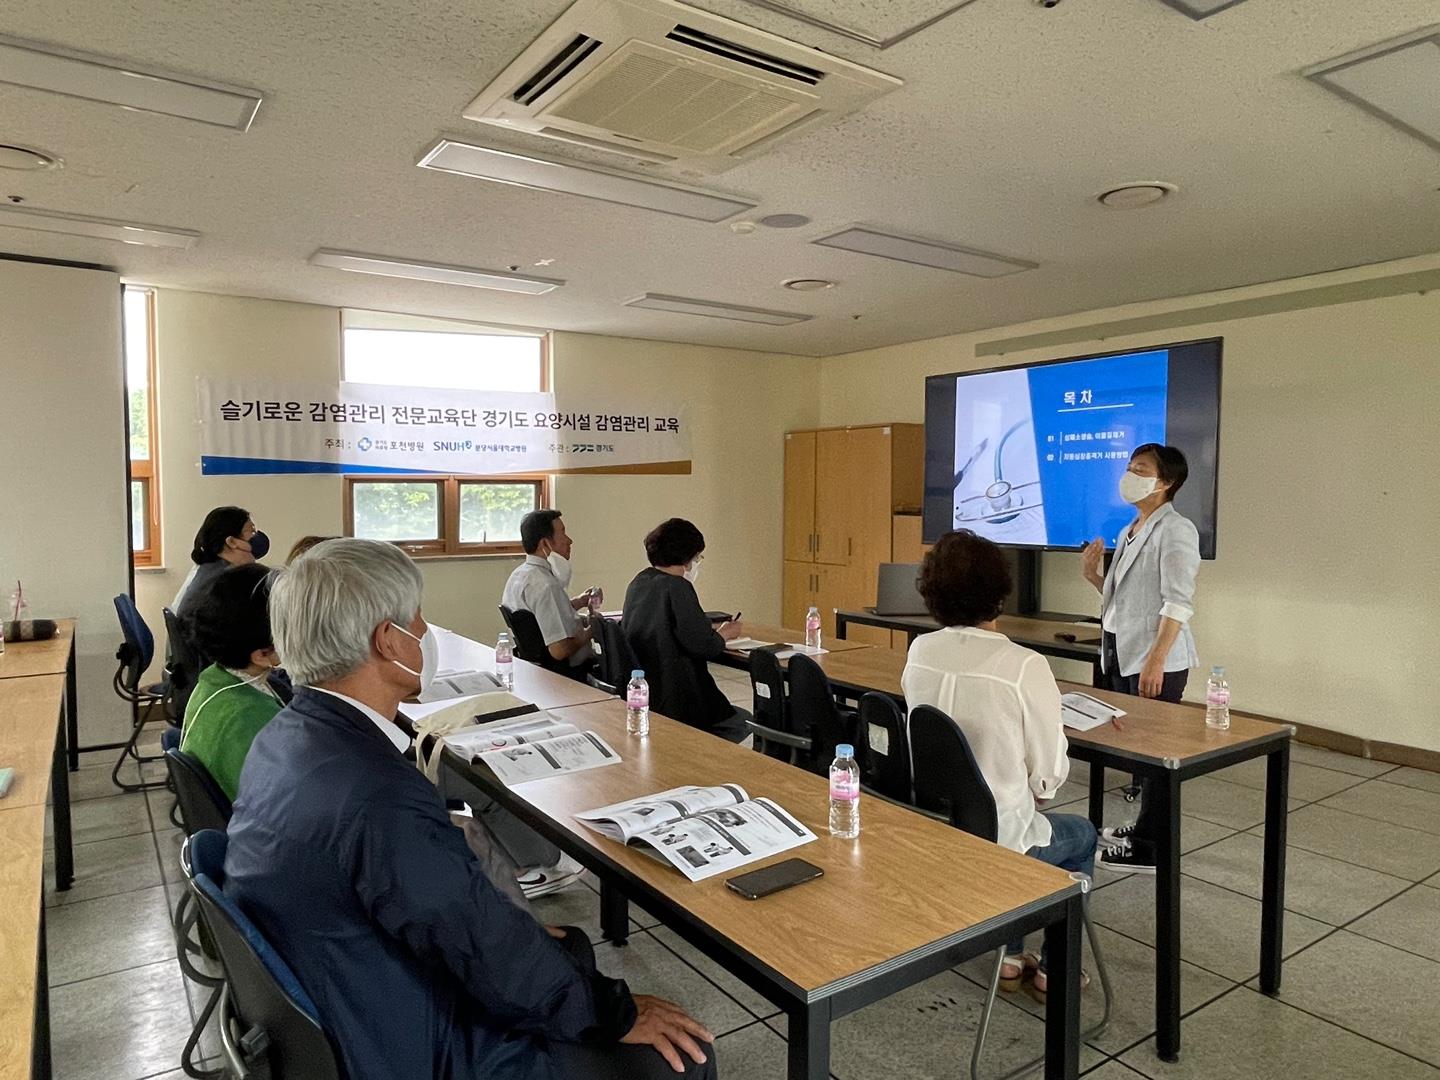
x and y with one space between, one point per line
1146 603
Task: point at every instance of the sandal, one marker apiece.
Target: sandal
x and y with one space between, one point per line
1015 969
1037 986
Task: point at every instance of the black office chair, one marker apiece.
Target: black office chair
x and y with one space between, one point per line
530 644
884 749
949 784
775 734
269 1026
184 663
202 806
617 659
813 712
136 652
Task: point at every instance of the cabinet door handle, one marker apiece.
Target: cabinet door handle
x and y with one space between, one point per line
849 545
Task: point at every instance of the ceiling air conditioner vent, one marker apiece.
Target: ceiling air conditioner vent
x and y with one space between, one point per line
665 86
559 65
698 39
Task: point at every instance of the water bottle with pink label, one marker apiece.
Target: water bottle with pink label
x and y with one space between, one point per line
637 704
812 628
1217 700
844 793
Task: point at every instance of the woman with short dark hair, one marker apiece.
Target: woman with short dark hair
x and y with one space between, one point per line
1147 597
229 621
673 640
1004 699
227 537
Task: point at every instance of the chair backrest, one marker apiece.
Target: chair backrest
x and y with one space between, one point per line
947 779
262 989
529 642
617 659
813 712
767 684
138 646
883 748
202 804
185 662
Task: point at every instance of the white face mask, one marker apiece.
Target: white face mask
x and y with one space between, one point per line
1135 489
692 571
429 657
560 567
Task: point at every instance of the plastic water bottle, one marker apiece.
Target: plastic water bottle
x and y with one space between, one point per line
505 661
637 704
844 793
812 628
1217 700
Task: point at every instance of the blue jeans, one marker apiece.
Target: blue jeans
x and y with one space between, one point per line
1071 847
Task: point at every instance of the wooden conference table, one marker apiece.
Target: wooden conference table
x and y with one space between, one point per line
32 742
1030 631
1167 744
891 910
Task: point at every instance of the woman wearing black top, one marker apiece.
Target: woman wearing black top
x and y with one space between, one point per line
673 640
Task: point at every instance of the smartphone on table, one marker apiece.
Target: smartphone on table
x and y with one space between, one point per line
771 879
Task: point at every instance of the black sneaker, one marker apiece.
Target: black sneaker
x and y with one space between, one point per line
1126 858
1120 834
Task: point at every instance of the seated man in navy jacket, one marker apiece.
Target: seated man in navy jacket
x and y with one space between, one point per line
342 853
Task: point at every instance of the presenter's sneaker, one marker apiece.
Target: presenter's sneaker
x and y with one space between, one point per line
1124 857
1111 835
543 880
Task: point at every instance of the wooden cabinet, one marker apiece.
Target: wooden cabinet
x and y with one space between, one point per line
842 488
800 496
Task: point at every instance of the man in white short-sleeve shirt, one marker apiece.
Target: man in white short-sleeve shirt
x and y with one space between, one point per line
538 586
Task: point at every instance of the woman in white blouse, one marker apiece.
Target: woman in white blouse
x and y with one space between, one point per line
1004 698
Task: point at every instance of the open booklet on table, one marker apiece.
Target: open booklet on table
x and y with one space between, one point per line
514 739
701 831
1083 712
783 650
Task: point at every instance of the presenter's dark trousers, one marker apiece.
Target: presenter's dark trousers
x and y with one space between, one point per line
1147 825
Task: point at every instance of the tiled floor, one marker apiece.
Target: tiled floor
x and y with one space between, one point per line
1360 983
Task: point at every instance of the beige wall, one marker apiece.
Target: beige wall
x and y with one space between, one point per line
62 490
734 493
1323 600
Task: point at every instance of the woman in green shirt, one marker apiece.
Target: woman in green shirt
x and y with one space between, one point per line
233 698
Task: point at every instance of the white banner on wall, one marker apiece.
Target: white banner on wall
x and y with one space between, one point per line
250 426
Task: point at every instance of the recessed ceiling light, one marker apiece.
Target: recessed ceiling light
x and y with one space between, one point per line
118 82
710 309
436 272
1201 9
542 174
98 228
909 249
808 284
1135 195
26 158
784 221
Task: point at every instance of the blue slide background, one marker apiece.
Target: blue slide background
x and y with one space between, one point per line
1119 403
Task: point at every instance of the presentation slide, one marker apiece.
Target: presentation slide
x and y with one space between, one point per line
1032 456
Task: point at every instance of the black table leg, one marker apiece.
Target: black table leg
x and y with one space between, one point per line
40 1047
60 812
1062 998
841 624
809 1047
1165 790
1272 904
1097 794
72 710
614 913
